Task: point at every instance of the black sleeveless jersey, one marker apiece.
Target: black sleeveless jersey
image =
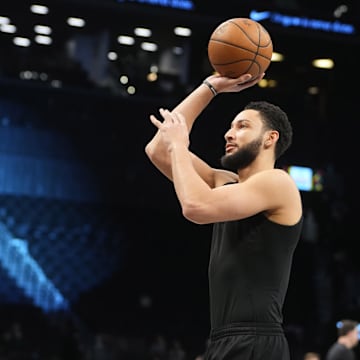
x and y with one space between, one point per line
249 270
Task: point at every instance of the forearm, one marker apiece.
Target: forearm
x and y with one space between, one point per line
192 192
194 104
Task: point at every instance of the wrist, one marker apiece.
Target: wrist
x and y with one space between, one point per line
178 146
211 87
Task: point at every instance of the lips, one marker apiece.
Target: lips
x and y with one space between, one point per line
229 147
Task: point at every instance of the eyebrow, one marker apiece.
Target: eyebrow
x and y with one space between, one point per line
238 121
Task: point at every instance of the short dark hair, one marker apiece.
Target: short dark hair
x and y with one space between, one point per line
345 326
274 118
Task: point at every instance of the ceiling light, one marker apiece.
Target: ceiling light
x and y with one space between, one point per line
143 32
131 90
76 22
123 79
152 76
8 28
340 10
22 41
39 9
277 57
42 29
154 68
182 31
43 40
323 63
25 75
147 46
126 40
4 20
112 55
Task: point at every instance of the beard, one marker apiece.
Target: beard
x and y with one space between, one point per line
243 157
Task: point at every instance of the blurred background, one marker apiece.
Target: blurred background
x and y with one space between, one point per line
96 260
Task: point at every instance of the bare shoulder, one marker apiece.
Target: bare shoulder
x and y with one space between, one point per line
285 196
267 178
274 178
279 183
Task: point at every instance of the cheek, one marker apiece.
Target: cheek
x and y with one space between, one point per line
245 136
241 134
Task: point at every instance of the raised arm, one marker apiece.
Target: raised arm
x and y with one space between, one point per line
191 107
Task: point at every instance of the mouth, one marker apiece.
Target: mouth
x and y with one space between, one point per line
229 148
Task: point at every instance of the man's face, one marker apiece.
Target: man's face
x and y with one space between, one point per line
355 336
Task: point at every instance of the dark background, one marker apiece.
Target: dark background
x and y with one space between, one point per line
137 268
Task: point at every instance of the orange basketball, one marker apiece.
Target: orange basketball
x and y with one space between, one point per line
240 46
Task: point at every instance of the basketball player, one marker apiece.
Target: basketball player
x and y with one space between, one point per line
256 210
347 340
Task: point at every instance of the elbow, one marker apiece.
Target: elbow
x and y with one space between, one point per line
195 213
156 156
149 151
155 153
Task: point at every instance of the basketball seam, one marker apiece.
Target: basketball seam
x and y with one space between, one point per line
257 50
238 61
237 46
244 32
243 48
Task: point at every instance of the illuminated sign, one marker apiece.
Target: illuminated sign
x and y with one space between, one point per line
175 4
306 178
303 22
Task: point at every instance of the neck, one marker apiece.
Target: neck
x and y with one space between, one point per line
254 168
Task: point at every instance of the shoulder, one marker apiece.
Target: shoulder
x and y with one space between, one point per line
273 179
275 173
278 180
283 199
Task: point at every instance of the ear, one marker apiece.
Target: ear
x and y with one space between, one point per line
271 138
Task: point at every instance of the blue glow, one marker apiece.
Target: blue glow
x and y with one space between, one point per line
303 177
175 4
28 275
306 23
260 15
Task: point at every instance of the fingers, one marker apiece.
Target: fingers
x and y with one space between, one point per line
155 121
251 82
248 79
244 78
164 113
169 117
176 118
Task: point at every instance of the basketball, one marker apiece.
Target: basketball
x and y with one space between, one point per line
240 46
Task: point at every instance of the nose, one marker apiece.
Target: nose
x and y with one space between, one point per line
228 135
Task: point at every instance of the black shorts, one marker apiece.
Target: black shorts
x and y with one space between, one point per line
248 341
